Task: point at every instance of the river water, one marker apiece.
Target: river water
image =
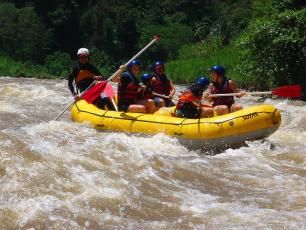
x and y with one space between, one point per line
64 175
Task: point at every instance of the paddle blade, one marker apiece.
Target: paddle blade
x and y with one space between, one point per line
94 92
109 91
290 91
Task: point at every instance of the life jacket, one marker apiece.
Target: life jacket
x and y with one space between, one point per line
128 93
83 74
225 88
187 97
147 93
162 85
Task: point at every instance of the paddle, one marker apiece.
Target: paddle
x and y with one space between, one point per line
161 95
93 93
110 93
289 91
67 107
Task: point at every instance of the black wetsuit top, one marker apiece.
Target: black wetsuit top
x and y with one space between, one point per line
84 83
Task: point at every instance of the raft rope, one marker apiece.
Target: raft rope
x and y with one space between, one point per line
168 123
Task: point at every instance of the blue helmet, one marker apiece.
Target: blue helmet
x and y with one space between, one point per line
219 69
146 77
203 81
134 62
157 63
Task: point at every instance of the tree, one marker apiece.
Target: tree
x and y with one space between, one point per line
22 34
273 49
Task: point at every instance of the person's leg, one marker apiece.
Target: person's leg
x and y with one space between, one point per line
221 109
99 103
207 112
159 102
164 111
108 103
149 104
169 103
137 109
235 107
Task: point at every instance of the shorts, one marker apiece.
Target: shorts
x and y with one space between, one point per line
124 106
158 100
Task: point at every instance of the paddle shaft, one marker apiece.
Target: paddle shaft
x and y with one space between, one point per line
136 55
161 95
67 107
238 94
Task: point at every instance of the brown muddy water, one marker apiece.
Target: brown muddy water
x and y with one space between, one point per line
64 175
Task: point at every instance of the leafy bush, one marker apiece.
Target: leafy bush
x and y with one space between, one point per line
173 36
102 61
188 69
58 64
22 34
273 50
10 67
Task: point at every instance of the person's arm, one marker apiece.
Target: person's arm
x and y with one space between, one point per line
98 76
124 80
206 95
71 78
235 89
117 77
172 91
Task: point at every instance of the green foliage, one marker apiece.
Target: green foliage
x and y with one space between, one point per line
272 50
10 67
22 34
204 49
101 60
173 36
58 63
284 5
187 70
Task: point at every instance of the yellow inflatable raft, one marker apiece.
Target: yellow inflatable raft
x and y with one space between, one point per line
251 123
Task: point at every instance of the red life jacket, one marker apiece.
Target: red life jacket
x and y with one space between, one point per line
128 93
162 86
229 101
147 94
188 97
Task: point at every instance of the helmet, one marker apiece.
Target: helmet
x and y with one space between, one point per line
132 63
158 63
203 81
145 77
219 69
83 51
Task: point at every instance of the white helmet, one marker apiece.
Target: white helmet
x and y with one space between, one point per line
83 51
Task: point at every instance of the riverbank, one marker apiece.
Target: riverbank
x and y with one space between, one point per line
13 68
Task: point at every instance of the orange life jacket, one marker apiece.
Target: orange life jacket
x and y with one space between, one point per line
188 97
83 74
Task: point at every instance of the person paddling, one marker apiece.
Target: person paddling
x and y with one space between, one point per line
189 104
222 85
163 85
82 75
129 89
146 94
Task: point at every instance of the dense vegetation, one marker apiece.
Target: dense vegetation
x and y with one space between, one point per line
262 43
